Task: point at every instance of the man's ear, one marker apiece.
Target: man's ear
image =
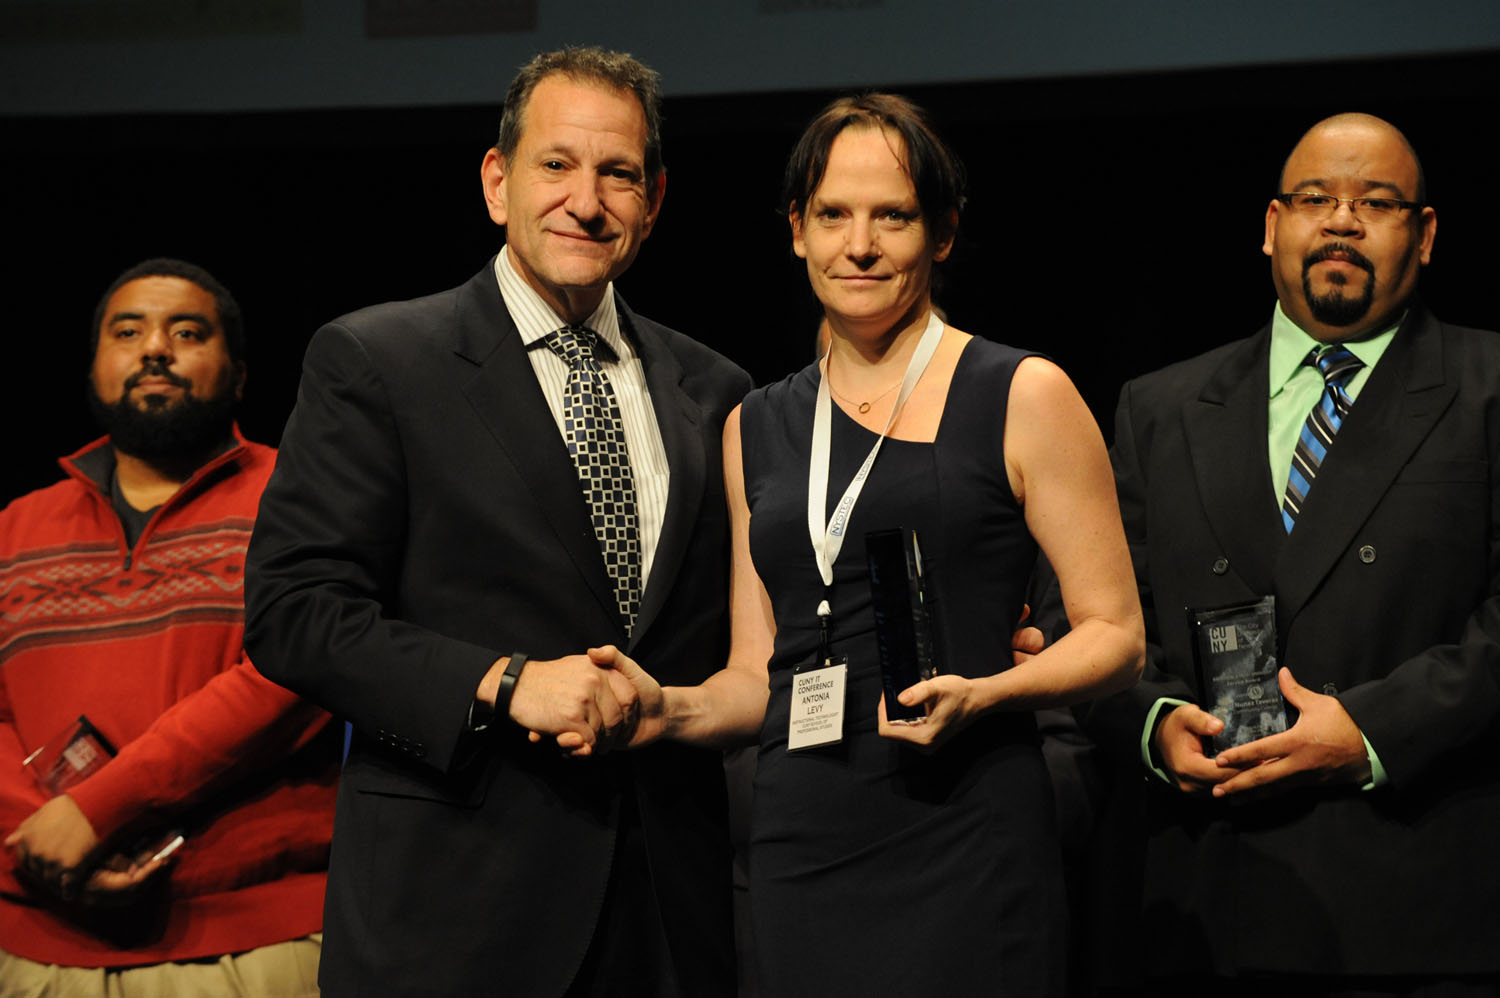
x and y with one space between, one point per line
794 218
1428 221
1273 212
655 194
492 173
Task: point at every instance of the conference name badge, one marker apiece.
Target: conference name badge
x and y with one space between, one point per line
817 715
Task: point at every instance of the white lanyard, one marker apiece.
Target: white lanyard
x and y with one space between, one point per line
828 540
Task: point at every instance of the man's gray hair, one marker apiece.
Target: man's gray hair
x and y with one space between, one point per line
614 70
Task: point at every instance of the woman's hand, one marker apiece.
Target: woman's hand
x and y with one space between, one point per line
648 722
952 705
640 700
643 723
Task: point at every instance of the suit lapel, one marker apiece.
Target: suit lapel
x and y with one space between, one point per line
1398 407
1225 427
505 394
678 417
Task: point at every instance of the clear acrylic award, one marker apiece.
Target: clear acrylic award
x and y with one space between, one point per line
1234 651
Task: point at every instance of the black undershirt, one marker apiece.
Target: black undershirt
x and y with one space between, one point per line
133 520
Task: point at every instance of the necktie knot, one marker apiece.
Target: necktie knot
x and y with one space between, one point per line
1336 364
574 344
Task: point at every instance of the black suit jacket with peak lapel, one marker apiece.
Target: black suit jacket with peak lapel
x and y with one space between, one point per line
1388 593
424 519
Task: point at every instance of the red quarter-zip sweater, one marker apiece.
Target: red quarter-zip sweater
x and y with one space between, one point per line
146 642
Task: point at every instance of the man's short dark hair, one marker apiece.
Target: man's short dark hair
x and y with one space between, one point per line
230 320
589 64
936 172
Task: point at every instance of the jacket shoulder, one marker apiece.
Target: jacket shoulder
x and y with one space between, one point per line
1481 342
695 358
1184 379
399 320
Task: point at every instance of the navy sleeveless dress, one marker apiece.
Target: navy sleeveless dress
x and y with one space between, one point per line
876 869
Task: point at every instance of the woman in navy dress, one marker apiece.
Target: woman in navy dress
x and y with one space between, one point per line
903 858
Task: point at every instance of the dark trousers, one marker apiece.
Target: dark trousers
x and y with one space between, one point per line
1296 986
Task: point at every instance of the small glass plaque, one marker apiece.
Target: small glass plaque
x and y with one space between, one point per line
1234 651
69 757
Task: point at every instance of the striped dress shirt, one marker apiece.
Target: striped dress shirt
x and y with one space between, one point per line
534 319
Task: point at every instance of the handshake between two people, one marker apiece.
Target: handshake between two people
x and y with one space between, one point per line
604 700
590 703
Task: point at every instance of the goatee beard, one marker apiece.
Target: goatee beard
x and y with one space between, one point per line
1334 308
164 430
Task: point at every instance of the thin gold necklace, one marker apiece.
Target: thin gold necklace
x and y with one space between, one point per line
863 407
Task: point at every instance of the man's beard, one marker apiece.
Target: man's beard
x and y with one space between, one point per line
1334 308
166 430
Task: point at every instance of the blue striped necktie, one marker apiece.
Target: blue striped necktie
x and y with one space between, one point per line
1337 365
595 435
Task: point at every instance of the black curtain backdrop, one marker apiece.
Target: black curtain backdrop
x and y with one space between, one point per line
1114 223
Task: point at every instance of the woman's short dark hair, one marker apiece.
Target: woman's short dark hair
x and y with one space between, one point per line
586 64
936 173
229 309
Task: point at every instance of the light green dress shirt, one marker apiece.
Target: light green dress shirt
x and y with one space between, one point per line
1294 388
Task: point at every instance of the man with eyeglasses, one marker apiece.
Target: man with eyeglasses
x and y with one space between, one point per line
1345 460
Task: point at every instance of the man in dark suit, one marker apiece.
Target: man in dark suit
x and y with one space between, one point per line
519 466
1352 850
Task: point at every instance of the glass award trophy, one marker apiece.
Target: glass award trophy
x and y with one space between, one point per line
903 617
1234 651
69 757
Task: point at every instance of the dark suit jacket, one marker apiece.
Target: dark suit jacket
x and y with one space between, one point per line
1386 592
424 519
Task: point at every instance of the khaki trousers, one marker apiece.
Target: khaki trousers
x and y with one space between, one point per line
281 970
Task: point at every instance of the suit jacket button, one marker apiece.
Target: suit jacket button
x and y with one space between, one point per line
1367 554
1221 565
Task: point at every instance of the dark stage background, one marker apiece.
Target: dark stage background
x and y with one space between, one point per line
1115 222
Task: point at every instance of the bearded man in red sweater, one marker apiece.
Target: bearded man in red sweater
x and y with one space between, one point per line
166 811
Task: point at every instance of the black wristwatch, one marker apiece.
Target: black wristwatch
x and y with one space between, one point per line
481 714
508 683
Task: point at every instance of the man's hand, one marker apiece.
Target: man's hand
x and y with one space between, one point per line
120 879
1179 743
1324 746
629 682
1027 641
53 843
572 695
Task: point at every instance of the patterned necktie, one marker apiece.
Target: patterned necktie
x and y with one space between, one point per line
1338 365
595 435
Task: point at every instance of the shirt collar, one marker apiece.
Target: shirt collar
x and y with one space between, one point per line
1290 345
534 318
